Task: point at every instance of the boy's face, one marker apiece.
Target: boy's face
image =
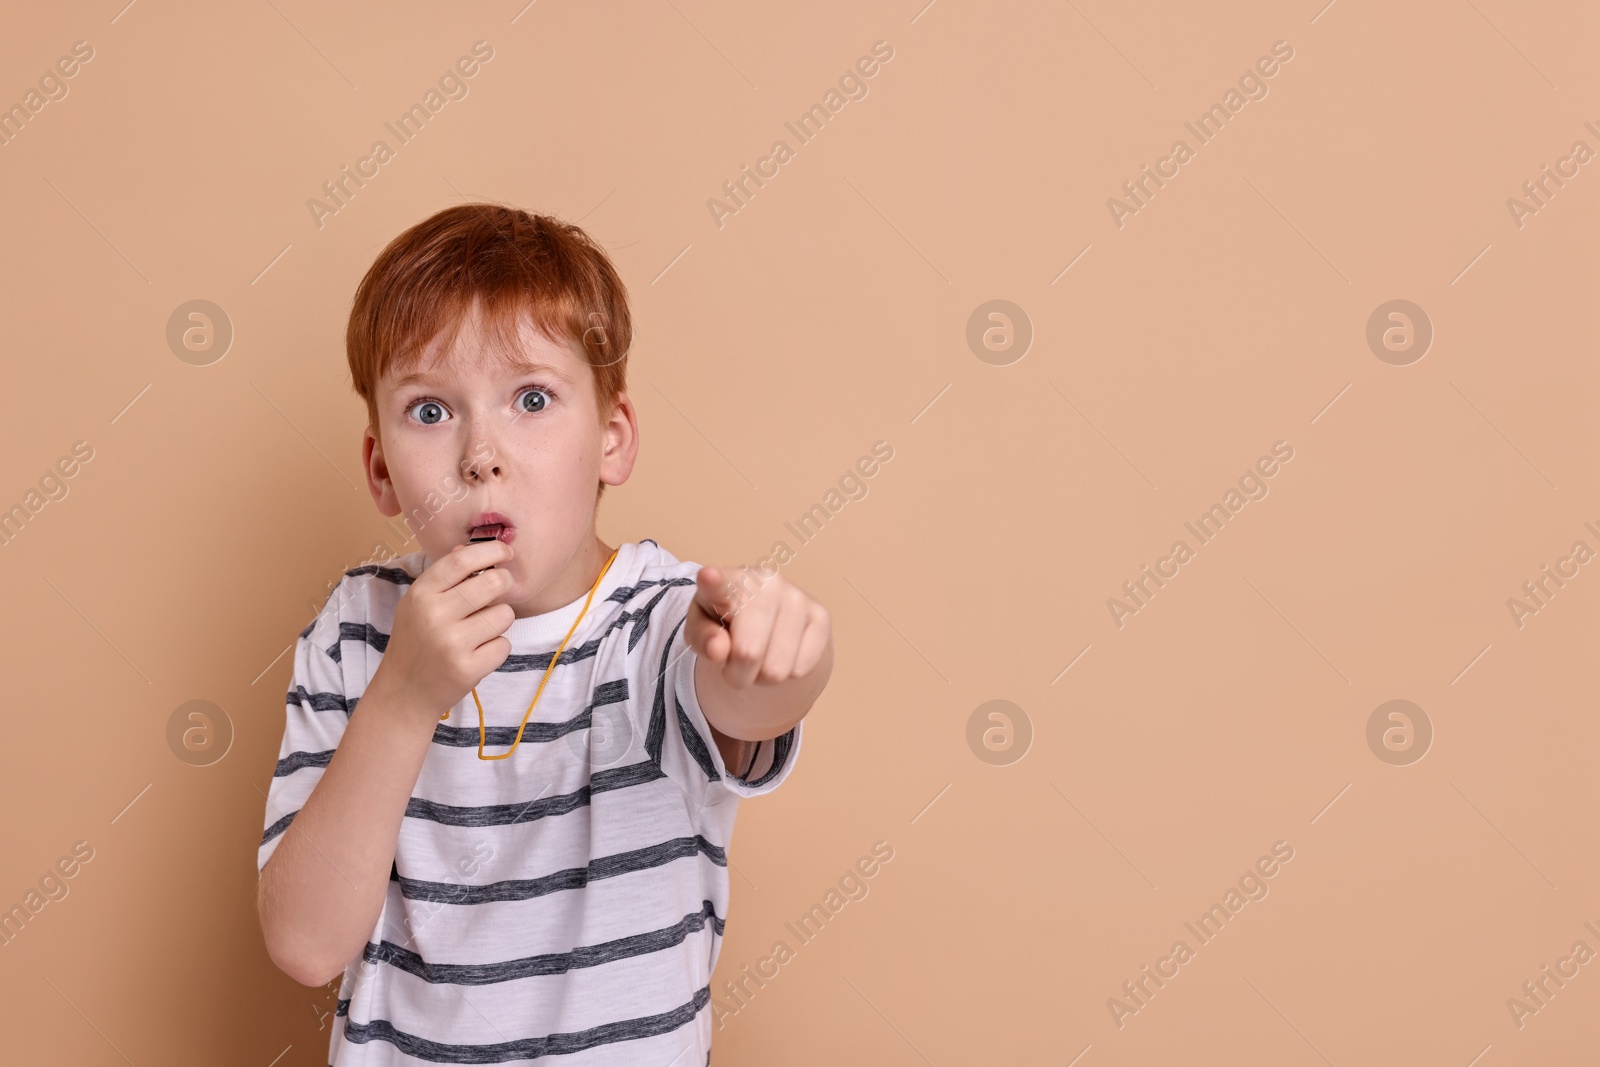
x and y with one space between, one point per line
468 440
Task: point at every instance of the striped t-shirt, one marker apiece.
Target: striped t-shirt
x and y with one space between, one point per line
566 905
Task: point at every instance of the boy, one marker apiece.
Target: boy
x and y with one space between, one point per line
511 760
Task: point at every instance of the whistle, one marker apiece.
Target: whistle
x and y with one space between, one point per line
484 533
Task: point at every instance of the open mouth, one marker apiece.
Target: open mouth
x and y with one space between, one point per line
491 526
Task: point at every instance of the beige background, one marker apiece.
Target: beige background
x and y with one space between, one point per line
831 312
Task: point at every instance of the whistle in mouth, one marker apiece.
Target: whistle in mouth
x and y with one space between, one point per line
484 533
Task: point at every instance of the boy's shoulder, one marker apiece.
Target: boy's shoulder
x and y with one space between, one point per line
365 592
649 563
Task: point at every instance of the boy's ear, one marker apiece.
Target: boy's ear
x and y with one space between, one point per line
619 442
378 481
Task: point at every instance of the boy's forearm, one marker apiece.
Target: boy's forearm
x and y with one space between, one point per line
323 887
758 712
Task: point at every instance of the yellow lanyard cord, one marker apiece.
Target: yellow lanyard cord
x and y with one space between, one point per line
554 659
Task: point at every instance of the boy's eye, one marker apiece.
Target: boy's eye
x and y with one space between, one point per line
533 400
428 412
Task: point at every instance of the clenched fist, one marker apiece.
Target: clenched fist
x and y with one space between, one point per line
448 631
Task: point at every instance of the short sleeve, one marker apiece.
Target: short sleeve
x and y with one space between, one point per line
316 713
681 738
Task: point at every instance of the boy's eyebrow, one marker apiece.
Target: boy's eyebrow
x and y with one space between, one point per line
518 366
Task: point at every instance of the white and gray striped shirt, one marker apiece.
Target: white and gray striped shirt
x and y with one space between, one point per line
565 905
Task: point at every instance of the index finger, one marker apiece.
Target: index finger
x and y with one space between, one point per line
452 569
713 595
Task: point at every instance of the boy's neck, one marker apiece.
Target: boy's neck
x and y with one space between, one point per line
573 582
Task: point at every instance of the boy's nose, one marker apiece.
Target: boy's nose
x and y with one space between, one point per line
481 470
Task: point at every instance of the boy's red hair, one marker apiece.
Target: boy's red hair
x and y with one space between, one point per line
427 279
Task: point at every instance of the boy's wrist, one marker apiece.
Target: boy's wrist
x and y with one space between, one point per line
400 700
